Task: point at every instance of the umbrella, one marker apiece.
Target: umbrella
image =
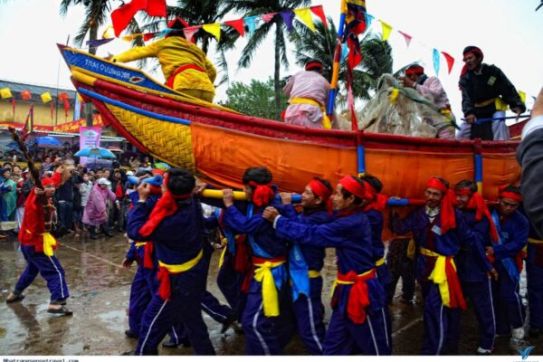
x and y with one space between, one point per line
162 166
97 152
48 142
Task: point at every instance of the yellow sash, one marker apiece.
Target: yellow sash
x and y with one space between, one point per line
314 274
270 300
139 244
344 282
380 262
498 103
439 275
534 241
49 242
180 268
326 124
224 244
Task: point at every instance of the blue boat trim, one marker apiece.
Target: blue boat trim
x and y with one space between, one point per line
128 107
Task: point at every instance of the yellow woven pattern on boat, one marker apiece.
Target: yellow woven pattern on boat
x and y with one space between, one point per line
171 141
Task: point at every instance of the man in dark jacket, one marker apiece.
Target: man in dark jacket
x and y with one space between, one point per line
485 90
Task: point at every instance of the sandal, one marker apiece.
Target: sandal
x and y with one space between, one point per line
12 298
60 311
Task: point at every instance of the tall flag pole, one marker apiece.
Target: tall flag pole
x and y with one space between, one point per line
337 59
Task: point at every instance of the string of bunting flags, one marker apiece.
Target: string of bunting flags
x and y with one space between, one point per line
243 25
46 98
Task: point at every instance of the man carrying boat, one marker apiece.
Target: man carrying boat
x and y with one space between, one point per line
307 91
439 231
485 92
265 319
185 66
513 229
431 88
476 281
357 325
306 262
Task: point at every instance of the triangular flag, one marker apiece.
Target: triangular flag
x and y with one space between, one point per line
369 20
250 21
267 17
522 96
148 36
5 93
108 33
288 17
304 15
190 32
406 37
450 61
238 24
46 97
344 52
318 11
213 29
436 60
387 28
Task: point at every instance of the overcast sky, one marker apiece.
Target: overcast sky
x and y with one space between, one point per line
508 32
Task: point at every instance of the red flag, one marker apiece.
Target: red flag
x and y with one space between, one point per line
355 24
450 61
407 38
238 24
26 95
122 16
148 36
317 10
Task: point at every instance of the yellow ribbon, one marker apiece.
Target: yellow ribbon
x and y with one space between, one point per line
49 242
224 245
380 262
439 275
139 244
534 241
344 282
314 274
411 249
270 299
326 124
500 105
180 268
393 96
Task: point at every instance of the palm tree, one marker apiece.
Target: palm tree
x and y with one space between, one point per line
258 7
320 45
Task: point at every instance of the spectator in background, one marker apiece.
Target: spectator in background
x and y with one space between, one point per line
117 186
8 205
46 165
96 211
65 200
24 186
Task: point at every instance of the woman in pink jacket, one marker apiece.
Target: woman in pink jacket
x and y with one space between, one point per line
95 213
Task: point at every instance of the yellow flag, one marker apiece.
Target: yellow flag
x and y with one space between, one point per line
213 29
130 37
5 93
304 15
387 29
522 96
46 97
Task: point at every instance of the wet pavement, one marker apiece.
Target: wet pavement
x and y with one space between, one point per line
99 288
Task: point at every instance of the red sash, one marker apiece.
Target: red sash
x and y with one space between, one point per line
180 69
359 298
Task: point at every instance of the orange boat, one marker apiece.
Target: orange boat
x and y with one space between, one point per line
219 143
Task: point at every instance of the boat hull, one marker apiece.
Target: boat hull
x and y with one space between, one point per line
219 144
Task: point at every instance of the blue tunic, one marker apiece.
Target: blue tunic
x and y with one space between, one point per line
470 266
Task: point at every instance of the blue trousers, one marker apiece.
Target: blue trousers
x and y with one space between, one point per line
183 308
66 214
229 283
507 303
309 314
141 292
440 322
480 295
50 269
535 291
400 266
344 337
265 335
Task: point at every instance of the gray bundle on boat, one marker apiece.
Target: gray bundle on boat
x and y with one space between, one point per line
398 110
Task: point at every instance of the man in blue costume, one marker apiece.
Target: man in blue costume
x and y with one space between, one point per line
175 226
439 231
474 276
513 229
357 324
306 262
265 316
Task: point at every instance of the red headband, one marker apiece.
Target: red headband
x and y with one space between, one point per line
465 191
435 183
350 184
262 194
320 189
47 181
515 196
414 70
313 65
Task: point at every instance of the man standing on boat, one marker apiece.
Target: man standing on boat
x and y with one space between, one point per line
486 93
185 66
431 88
307 91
